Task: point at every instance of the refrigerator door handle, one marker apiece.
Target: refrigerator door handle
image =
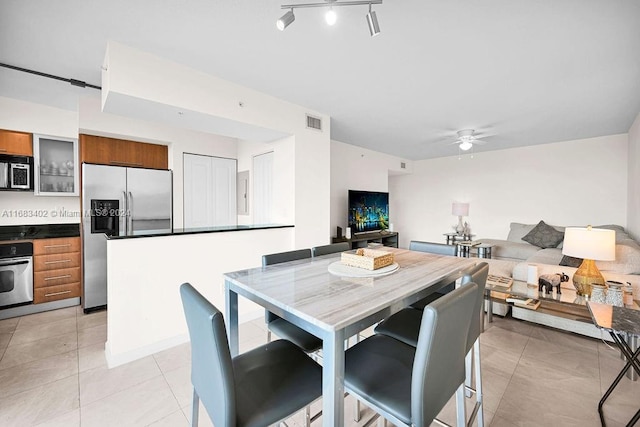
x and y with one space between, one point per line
125 212
130 214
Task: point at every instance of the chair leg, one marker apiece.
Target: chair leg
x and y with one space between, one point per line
461 413
356 410
268 335
468 369
195 406
478 371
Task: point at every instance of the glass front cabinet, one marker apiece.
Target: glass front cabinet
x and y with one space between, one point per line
56 163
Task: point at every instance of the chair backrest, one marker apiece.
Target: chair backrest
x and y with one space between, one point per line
211 366
439 363
279 257
330 249
477 275
433 248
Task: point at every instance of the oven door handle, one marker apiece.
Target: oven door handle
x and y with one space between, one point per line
10 263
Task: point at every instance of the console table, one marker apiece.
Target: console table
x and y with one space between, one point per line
387 238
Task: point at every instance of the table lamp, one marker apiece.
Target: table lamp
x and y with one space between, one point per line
460 210
590 244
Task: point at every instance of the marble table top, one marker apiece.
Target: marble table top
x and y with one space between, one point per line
306 289
619 319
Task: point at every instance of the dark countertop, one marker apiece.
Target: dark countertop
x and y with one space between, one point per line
42 231
203 230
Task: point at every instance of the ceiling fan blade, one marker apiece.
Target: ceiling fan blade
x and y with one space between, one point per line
479 141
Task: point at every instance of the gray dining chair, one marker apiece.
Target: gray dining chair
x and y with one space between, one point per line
410 385
281 327
405 326
330 249
257 388
439 249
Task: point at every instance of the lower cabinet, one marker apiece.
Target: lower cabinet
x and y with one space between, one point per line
56 269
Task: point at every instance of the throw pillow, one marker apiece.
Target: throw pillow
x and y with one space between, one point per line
544 236
569 261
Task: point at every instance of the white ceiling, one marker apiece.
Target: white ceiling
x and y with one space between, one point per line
525 72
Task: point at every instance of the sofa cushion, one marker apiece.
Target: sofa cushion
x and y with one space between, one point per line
551 256
569 261
627 260
518 230
544 236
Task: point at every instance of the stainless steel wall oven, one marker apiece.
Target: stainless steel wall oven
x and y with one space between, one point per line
16 273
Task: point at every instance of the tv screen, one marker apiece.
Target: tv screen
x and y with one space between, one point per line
368 211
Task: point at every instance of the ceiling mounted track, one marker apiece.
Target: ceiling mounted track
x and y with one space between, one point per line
73 82
330 16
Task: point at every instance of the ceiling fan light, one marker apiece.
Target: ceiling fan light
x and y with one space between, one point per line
465 145
331 16
285 20
372 21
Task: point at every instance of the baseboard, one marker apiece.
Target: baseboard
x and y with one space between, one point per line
114 360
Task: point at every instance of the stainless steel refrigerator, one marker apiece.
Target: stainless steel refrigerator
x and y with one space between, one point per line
118 201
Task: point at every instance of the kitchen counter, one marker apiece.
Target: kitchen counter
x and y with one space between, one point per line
203 230
46 231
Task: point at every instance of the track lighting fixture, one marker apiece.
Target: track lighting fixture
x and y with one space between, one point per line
286 19
372 21
331 16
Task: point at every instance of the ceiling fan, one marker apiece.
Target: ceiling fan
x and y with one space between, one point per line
466 139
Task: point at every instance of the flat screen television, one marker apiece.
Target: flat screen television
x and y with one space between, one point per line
368 211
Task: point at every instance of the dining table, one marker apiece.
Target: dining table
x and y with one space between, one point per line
334 302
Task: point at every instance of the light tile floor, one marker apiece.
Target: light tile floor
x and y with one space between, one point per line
53 373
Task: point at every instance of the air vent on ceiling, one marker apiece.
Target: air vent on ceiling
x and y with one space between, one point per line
403 165
314 122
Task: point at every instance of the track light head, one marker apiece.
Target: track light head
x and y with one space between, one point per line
285 20
331 16
372 21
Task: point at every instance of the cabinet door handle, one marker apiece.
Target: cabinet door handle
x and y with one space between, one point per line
52 294
57 262
65 276
117 163
66 245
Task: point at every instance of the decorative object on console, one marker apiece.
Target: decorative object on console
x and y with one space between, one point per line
460 209
549 281
614 293
532 274
544 236
590 244
598 293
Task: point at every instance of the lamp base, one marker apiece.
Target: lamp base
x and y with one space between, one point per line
586 275
459 227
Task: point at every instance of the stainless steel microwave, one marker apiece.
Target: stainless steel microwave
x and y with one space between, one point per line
16 173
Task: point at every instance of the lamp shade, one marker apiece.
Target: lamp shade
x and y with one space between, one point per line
460 209
590 243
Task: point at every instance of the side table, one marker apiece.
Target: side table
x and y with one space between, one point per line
622 324
464 248
453 238
484 250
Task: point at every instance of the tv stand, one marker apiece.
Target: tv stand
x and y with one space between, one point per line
387 238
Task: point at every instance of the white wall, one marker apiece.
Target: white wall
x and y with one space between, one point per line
357 168
133 77
35 118
633 193
95 122
568 183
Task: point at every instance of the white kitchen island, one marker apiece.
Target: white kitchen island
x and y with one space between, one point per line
144 273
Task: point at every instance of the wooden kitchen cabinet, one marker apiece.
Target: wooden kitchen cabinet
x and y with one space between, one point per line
119 152
17 143
56 269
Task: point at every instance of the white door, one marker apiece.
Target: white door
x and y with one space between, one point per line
263 188
209 191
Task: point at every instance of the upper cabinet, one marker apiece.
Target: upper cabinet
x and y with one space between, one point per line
118 152
56 162
17 143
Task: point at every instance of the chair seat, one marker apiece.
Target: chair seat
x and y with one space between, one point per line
404 326
379 369
259 375
303 339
